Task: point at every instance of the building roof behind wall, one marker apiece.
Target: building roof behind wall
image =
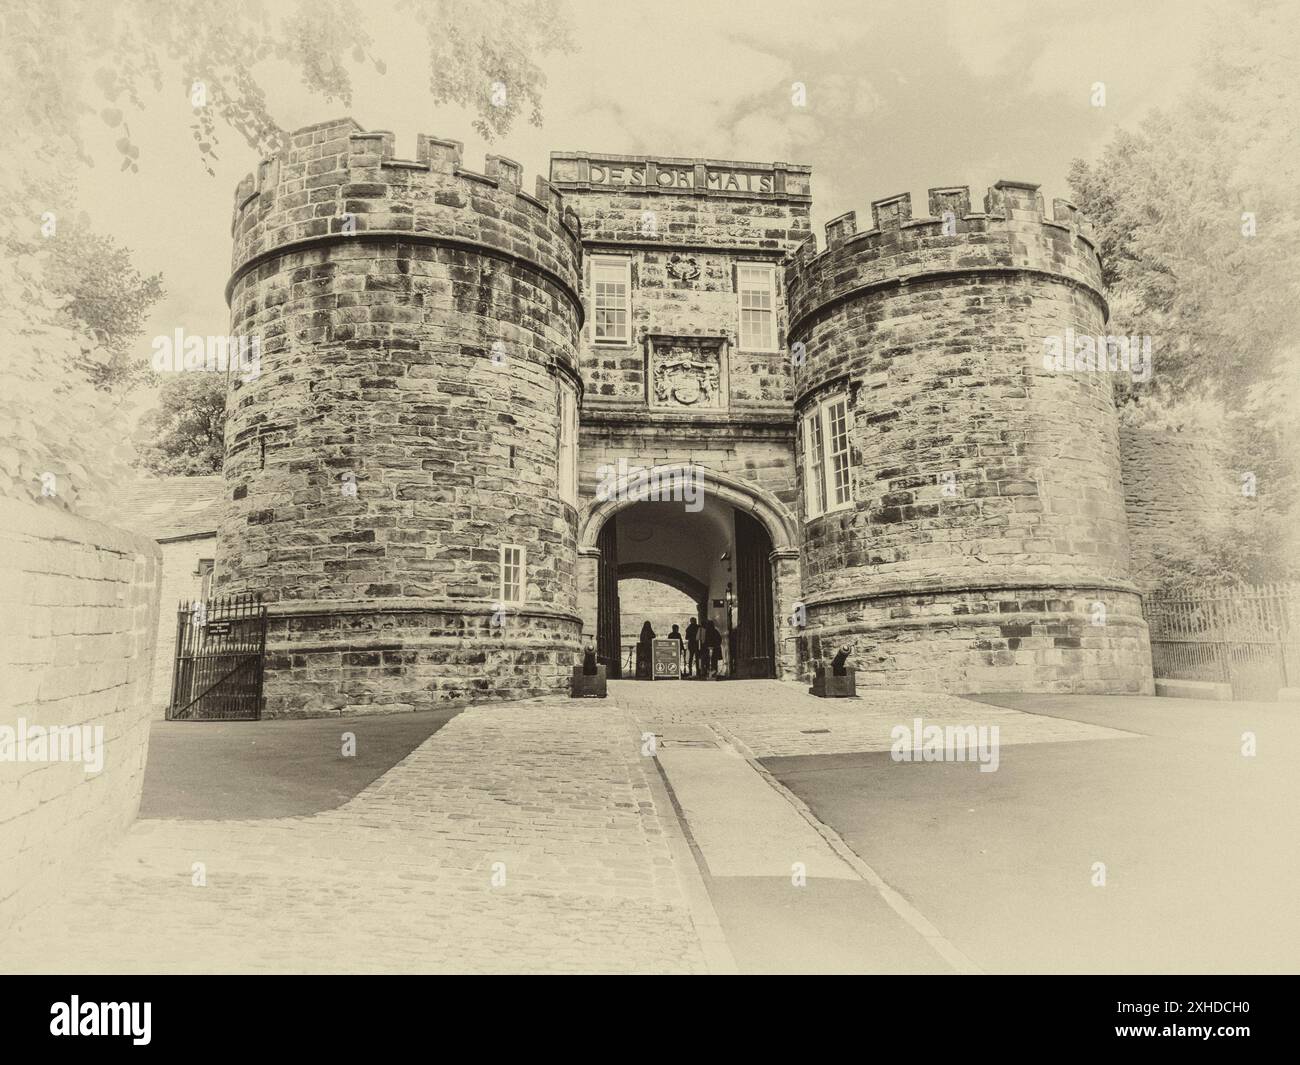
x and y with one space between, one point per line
167 508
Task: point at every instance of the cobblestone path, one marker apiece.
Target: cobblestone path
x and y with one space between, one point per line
400 879
551 799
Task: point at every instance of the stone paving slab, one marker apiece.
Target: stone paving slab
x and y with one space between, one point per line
399 879
778 718
742 826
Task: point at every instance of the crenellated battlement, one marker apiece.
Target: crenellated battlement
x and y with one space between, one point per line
1004 201
1012 231
335 179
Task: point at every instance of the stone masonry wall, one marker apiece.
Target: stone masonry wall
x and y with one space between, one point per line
644 600
686 226
670 233
982 482
757 451
418 322
1176 488
78 621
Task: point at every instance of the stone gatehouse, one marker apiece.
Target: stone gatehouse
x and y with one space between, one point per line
479 408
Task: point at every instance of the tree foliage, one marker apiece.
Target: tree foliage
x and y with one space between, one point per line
75 58
70 311
104 295
1199 230
184 433
62 441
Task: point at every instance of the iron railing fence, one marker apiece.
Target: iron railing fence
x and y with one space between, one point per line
1248 637
220 651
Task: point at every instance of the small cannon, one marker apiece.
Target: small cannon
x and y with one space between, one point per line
837 682
589 678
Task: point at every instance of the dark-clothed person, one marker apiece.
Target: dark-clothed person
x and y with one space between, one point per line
692 648
712 648
644 648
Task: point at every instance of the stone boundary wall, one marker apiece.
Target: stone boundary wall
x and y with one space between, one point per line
78 622
1176 489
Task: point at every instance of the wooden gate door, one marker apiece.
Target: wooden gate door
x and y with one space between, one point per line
609 639
755 639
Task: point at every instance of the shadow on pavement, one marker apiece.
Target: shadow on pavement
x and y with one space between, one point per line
231 770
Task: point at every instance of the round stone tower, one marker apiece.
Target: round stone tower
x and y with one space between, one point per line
393 464
976 540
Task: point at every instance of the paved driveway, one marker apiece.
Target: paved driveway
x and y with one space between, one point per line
1199 843
220 770
537 837
520 838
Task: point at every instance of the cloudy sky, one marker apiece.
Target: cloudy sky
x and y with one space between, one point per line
901 95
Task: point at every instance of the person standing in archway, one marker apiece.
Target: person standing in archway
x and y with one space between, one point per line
692 648
712 648
676 634
644 652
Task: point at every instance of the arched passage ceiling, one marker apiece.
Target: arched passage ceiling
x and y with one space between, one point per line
667 536
674 578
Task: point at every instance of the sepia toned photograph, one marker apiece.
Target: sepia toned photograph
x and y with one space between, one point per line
573 487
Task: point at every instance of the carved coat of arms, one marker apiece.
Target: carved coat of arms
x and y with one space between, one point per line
688 377
683 267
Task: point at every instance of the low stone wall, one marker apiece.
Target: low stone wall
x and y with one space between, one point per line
78 623
383 658
968 641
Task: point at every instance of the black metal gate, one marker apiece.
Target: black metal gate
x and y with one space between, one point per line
1247 637
220 647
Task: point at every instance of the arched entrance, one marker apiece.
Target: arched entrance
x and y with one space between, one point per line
731 548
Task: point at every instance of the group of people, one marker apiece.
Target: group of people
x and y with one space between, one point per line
703 647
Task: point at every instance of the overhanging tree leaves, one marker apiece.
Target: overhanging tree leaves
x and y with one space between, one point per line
75 58
1199 224
63 62
105 295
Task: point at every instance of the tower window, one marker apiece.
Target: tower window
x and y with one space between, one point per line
512 573
756 283
611 290
827 481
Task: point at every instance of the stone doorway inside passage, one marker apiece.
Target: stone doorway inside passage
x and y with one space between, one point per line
724 556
